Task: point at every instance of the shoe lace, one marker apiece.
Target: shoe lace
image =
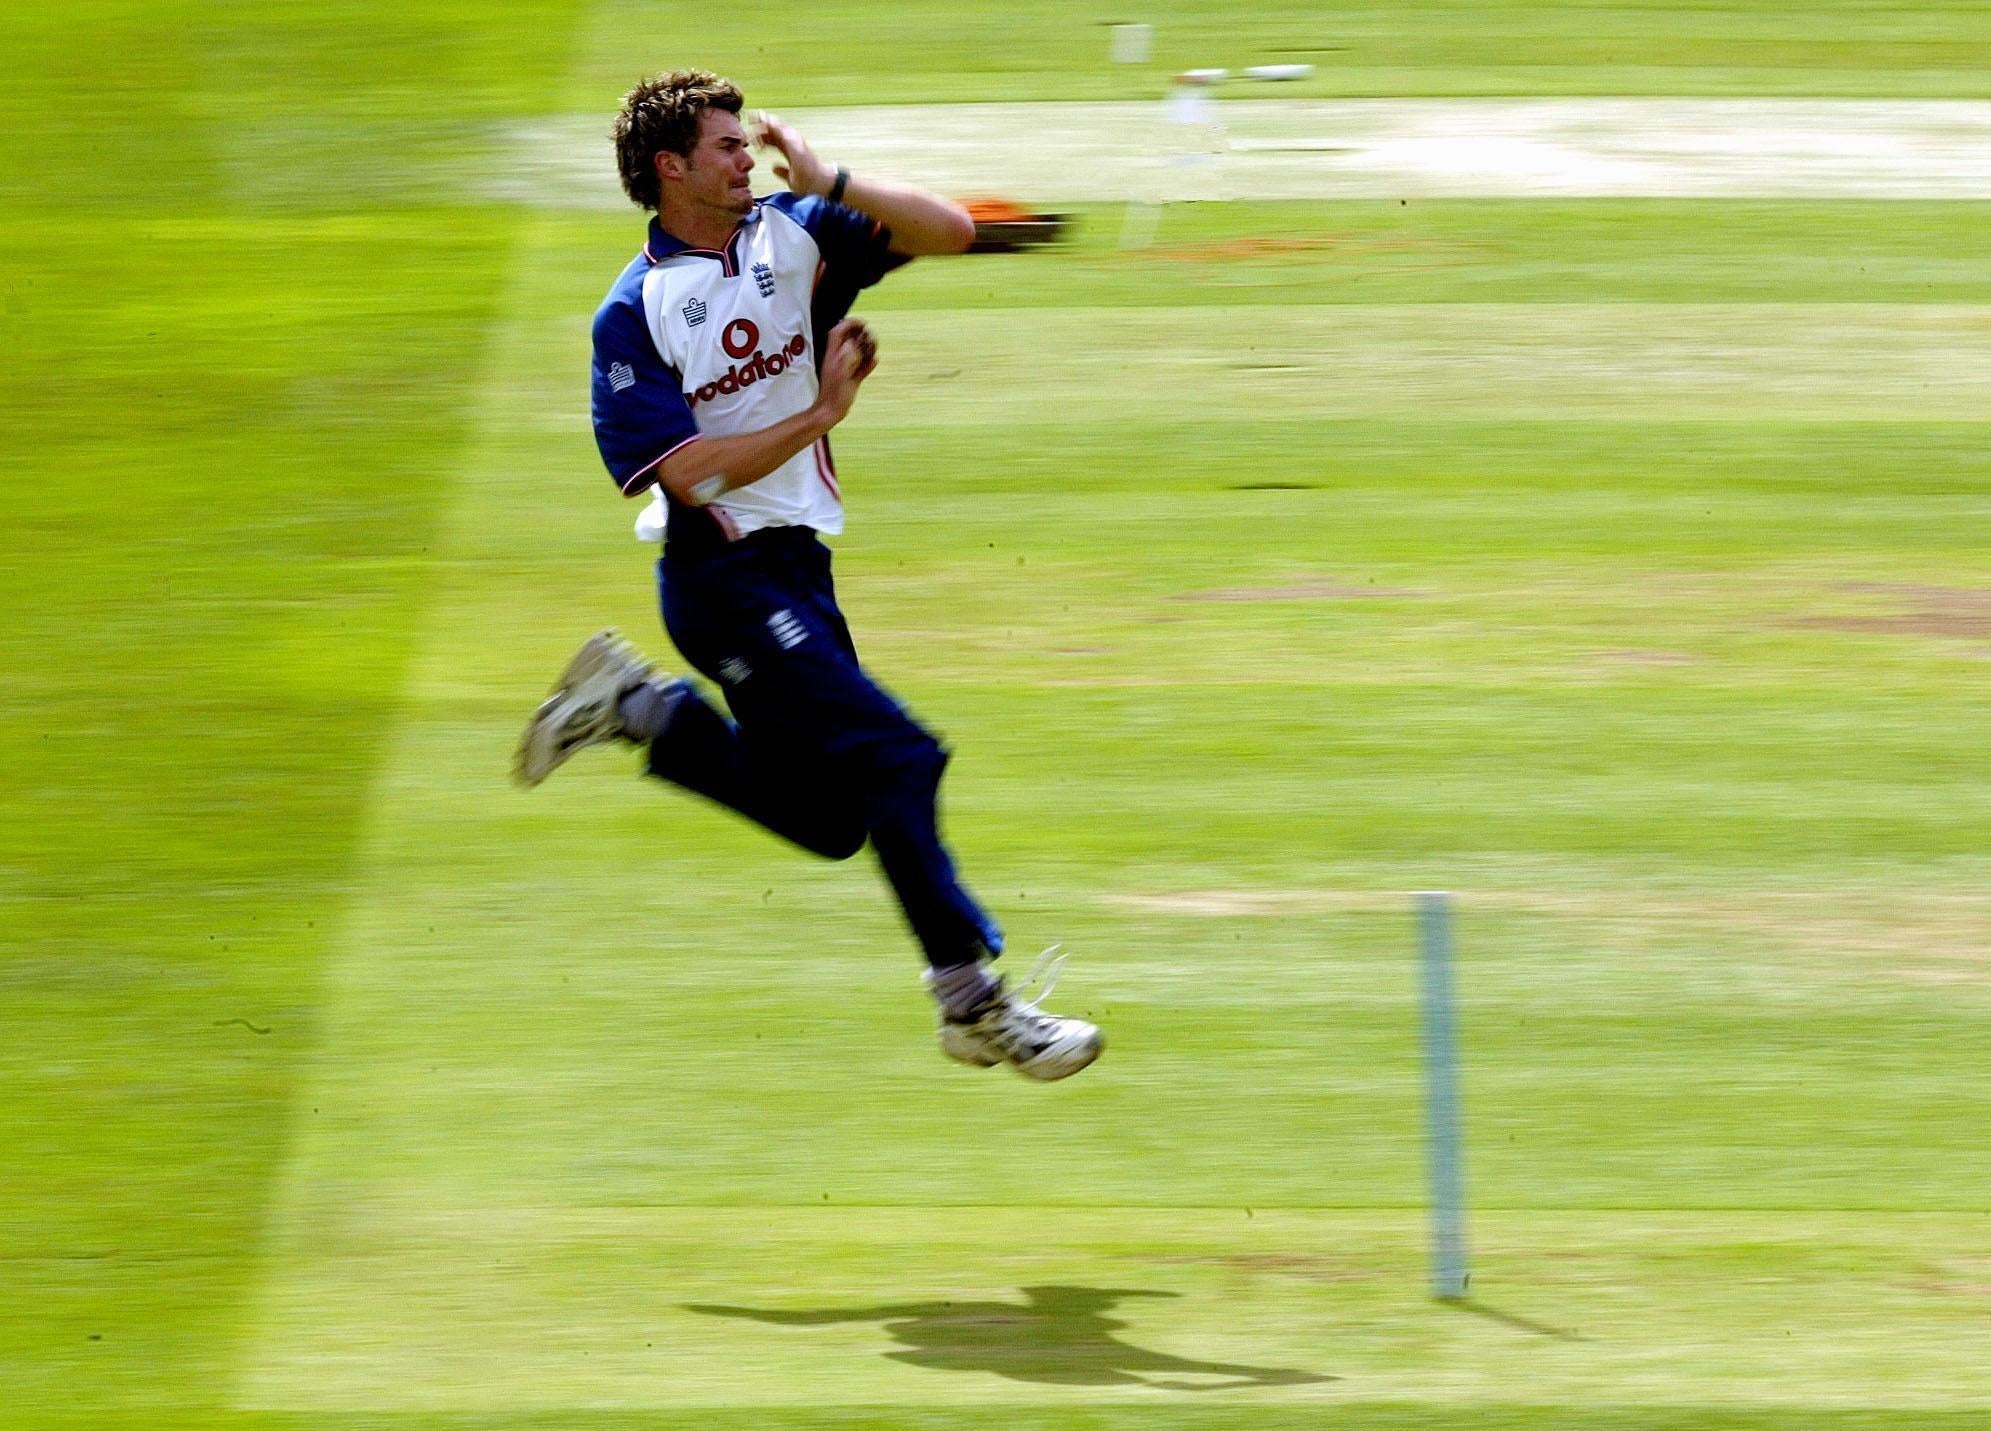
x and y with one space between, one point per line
1043 976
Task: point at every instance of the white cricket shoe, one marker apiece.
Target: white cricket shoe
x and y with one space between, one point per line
1009 1029
582 709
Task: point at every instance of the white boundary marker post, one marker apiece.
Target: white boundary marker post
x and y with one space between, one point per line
1445 1154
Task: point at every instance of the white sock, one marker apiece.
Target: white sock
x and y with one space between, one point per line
962 988
646 710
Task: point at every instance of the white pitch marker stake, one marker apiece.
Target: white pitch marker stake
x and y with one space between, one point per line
1444 1144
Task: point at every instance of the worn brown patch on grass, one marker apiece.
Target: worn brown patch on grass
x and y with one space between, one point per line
1318 248
1647 658
1953 611
1223 902
1957 1277
1920 937
1299 591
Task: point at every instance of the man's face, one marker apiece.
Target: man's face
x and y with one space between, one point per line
715 172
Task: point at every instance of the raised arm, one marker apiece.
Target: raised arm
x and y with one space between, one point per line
921 222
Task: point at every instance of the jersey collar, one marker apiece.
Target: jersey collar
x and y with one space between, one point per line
662 244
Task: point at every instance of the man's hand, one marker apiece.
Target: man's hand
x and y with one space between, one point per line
920 222
798 167
701 472
848 358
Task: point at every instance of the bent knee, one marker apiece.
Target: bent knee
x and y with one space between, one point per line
838 837
912 755
841 846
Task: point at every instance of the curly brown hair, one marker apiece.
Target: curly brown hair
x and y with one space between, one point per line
663 113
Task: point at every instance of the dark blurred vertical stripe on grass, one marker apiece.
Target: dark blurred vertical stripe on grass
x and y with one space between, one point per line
243 325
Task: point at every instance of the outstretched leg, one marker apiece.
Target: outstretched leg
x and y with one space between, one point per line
704 752
764 624
819 754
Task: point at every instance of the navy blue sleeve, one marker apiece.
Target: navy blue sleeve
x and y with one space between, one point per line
640 413
856 249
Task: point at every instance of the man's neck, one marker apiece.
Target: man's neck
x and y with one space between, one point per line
703 228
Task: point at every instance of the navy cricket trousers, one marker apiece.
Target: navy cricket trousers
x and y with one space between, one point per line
815 751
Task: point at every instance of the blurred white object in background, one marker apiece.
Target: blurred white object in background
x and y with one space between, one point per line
1278 72
1132 44
1057 154
1184 156
1197 137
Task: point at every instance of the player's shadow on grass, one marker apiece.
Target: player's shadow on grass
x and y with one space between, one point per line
1058 1335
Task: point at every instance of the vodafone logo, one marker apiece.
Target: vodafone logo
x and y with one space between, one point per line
739 339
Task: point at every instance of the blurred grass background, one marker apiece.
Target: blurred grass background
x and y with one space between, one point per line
1689 706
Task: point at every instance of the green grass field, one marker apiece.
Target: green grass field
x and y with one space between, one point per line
1617 564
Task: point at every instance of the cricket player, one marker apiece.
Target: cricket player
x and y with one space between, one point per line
723 357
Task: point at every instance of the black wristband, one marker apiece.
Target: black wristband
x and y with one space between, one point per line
835 195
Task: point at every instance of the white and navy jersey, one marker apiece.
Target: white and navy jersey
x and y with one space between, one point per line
697 342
